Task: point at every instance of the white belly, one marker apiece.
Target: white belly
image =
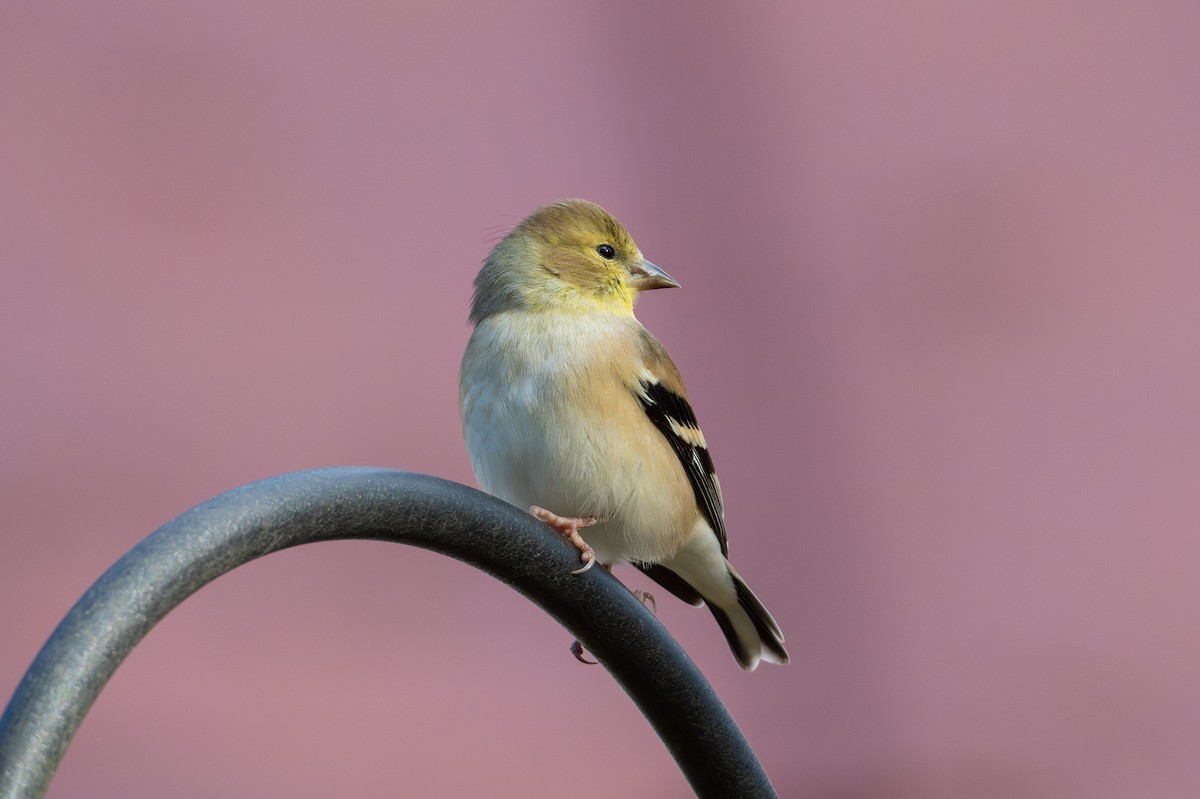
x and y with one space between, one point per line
537 435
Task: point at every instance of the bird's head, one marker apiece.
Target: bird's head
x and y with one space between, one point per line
571 256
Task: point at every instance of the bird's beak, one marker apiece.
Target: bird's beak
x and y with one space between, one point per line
647 276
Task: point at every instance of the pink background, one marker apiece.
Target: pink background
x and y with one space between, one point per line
941 269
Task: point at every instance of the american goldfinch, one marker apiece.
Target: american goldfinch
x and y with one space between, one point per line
572 409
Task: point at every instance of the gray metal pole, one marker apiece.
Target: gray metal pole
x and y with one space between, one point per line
383 504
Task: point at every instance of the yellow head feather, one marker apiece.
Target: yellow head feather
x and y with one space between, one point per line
569 256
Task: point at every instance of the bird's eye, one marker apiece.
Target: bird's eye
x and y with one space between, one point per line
606 252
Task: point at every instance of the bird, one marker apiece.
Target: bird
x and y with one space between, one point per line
573 410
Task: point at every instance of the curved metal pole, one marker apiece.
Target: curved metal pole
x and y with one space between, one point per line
325 504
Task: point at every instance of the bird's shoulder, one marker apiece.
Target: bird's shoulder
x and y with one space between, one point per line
656 366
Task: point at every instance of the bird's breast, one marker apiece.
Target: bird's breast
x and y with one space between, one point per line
549 421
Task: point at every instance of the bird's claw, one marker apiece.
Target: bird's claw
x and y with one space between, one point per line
647 599
577 651
589 559
569 528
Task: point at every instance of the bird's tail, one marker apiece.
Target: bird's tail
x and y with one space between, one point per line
748 626
701 577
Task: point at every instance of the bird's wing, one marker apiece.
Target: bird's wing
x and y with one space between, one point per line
661 394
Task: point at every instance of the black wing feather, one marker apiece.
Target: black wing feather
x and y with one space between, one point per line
664 406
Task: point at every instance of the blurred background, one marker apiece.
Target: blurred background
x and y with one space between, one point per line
940 267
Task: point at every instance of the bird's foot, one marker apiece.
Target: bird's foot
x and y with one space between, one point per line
647 599
569 527
577 651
